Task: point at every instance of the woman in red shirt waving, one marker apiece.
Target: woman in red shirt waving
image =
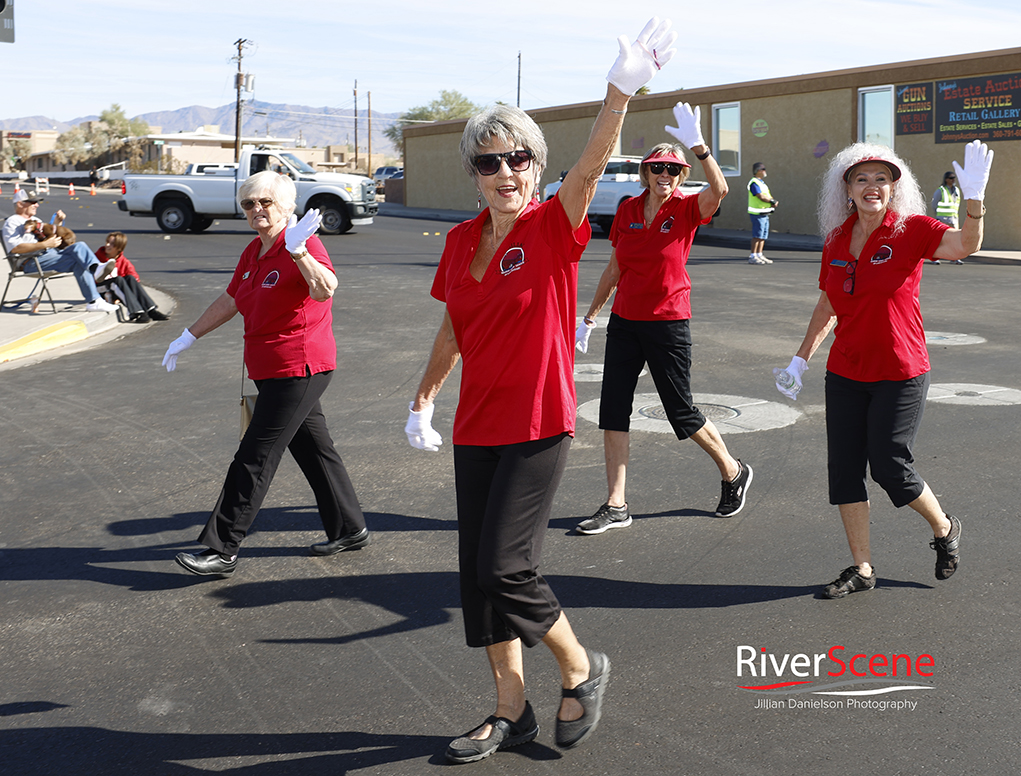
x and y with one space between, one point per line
651 236
877 376
283 287
509 280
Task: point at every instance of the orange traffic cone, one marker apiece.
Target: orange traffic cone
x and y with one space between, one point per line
1 189
92 190
17 187
70 190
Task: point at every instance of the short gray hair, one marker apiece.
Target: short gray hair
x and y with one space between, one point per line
509 125
280 188
906 199
656 150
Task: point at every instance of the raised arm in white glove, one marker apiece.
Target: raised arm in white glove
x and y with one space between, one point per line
178 346
973 177
788 381
299 231
689 125
421 434
582 334
638 62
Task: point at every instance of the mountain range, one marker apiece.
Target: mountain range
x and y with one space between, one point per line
312 126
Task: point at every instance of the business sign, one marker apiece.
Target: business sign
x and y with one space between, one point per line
986 108
914 109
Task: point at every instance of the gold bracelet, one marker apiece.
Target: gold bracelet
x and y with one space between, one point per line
299 256
979 216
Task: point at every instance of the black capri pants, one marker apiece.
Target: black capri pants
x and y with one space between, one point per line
874 423
666 347
504 498
287 416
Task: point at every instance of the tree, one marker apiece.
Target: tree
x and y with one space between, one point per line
448 106
20 149
93 142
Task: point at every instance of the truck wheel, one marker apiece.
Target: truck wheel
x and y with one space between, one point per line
335 217
200 223
174 215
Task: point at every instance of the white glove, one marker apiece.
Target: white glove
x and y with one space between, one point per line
689 125
299 231
637 63
973 177
178 346
421 434
788 381
582 334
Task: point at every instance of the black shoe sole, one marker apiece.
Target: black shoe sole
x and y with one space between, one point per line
223 573
365 541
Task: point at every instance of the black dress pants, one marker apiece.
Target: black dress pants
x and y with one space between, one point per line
287 416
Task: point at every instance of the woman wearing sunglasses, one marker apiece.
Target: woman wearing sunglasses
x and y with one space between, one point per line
283 287
651 237
877 376
509 282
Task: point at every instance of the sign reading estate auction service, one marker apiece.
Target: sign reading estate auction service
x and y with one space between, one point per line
986 108
914 109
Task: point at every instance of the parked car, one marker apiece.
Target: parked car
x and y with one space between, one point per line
382 173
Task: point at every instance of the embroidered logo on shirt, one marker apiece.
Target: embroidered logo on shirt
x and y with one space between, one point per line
271 279
512 260
667 225
883 255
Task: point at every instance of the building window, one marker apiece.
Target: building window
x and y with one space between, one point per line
727 137
875 115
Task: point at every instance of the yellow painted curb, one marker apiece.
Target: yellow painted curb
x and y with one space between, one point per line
45 339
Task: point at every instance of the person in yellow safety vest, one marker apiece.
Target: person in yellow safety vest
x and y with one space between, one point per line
760 205
946 201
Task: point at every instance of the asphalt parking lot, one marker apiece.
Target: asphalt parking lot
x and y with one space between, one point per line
115 661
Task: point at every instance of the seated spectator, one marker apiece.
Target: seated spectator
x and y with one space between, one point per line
21 243
125 284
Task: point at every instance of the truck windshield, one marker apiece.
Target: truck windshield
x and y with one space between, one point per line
297 164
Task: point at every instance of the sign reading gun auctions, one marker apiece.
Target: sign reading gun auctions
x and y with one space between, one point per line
914 109
987 108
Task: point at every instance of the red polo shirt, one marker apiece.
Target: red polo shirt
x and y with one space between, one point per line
515 329
287 333
879 333
654 283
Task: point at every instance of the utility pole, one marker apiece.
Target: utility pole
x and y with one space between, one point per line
239 84
369 164
519 79
356 125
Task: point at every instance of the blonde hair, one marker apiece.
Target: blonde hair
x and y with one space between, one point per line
662 149
906 198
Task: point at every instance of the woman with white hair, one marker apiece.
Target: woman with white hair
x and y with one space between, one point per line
877 236
283 287
509 281
650 323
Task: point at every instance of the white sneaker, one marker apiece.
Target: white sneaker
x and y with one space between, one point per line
765 260
105 270
756 259
100 306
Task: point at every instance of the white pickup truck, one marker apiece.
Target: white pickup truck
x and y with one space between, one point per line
618 182
191 202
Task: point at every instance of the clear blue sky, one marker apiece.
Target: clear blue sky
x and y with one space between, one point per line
74 58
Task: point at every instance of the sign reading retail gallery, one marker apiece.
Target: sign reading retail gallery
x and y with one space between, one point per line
986 108
914 109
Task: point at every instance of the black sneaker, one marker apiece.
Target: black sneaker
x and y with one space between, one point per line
849 581
606 517
732 494
948 550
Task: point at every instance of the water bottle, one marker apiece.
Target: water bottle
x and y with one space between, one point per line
786 380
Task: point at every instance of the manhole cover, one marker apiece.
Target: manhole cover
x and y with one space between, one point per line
713 412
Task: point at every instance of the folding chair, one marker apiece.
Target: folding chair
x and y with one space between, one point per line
30 268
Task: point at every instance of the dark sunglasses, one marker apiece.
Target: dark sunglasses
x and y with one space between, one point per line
656 168
518 161
248 204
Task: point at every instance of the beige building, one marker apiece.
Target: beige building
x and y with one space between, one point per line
926 110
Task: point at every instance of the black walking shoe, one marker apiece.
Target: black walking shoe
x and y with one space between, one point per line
352 541
571 733
207 563
504 734
849 581
733 493
606 517
947 549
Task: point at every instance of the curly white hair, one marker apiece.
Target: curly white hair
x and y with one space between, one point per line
905 200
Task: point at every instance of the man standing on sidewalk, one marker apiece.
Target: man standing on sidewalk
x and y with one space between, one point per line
78 258
760 205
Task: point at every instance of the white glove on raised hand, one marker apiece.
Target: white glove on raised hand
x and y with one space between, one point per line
421 434
638 62
178 346
299 231
788 381
582 334
973 177
689 125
